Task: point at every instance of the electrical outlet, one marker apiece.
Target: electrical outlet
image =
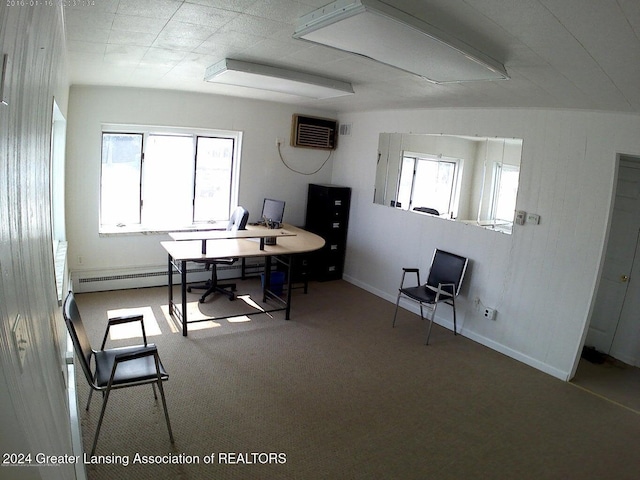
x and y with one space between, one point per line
279 141
476 303
490 313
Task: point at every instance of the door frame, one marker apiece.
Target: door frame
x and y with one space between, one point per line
603 250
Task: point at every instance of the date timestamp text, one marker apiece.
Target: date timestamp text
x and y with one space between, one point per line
51 3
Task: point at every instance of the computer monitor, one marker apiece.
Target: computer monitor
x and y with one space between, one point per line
273 211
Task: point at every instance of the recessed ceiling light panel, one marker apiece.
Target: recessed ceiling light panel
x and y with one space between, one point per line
265 77
383 33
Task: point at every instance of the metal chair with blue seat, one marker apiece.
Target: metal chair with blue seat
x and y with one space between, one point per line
443 285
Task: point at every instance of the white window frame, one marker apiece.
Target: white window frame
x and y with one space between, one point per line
145 131
454 198
498 169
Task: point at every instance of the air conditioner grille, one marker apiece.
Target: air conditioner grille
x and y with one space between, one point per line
313 132
315 136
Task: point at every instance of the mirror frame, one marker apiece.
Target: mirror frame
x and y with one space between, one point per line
482 165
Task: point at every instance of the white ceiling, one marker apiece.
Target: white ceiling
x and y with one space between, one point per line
559 53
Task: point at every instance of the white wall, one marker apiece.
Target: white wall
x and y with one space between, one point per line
33 411
262 172
541 279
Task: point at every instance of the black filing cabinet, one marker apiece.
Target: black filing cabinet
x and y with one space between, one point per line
328 216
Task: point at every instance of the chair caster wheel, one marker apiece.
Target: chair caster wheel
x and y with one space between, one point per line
232 297
189 289
201 300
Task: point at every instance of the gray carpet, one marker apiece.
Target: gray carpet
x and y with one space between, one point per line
337 393
611 379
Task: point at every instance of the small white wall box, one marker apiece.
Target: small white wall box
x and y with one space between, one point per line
533 218
520 216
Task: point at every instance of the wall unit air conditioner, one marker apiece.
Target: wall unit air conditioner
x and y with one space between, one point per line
313 132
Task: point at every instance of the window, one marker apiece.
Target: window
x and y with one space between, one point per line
505 190
120 180
214 167
428 182
57 160
166 179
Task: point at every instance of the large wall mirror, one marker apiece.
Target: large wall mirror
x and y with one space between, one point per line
464 178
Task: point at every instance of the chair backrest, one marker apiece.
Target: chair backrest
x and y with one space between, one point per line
239 219
431 211
447 268
78 335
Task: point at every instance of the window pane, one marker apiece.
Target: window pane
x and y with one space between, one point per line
434 185
214 163
406 182
507 192
168 177
120 179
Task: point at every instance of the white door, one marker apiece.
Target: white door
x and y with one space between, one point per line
615 323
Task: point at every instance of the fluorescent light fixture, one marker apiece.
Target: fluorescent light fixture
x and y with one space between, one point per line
383 33
265 77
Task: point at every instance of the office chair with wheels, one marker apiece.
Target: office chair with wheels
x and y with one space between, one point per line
443 285
238 221
115 367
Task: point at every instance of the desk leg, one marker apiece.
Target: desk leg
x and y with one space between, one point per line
170 282
289 275
183 287
267 277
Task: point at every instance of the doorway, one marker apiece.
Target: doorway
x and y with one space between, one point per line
614 329
611 354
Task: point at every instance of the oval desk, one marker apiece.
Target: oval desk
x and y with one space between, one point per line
189 246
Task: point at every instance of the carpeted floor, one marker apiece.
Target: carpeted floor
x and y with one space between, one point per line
336 393
611 379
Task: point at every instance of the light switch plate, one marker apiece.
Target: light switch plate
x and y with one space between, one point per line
520 216
21 339
533 218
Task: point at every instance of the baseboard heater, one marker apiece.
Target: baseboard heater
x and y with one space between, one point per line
109 278
155 276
